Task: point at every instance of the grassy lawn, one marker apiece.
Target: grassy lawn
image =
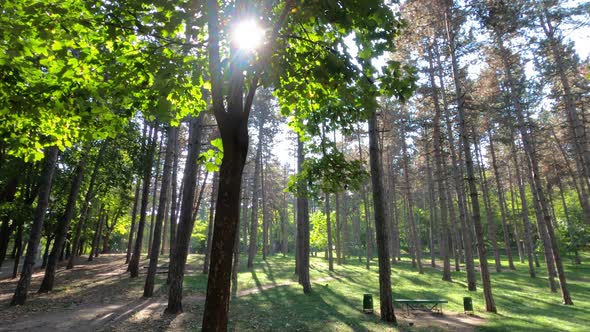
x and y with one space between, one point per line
524 304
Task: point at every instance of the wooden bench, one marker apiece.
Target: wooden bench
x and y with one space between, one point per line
422 304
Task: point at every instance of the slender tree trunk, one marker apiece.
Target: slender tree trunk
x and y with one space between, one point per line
575 125
149 160
329 233
255 197
133 218
338 231
214 186
302 226
385 294
506 229
532 159
22 288
528 233
415 240
483 263
148 290
64 224
86 205
154 196
185 223
46 251
568 220
18 244
492 231
432 224
173 199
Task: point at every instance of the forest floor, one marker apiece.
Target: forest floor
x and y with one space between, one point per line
99 296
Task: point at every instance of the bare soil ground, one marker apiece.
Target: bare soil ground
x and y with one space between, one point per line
100 296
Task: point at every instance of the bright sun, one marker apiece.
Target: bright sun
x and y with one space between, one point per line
248 35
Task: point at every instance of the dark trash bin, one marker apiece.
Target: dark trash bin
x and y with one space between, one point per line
368 303
468 304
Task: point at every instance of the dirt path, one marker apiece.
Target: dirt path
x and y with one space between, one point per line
99 296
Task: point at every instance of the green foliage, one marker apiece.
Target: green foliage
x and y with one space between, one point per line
212 157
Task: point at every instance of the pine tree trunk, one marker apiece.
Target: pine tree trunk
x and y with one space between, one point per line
528 233
148 289
575 125
483 263
154 197
532 159
506 229
385 293
18 245
253 248
147 174
329 232
64 224
214 186
302 226
185 222
22 288
86 205
133 219
174 201
415 240
466 228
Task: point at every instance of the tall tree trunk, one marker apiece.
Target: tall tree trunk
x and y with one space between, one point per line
528 233
575 124
568 220
415 240
329 233
302 226
86 205
432 210
18 245
133 218
381 229
483 263
214 186
148 289
64 224
147 174
501 202
185 222
173 199
533 162
22 288
154 197
253 248
338 231
440 177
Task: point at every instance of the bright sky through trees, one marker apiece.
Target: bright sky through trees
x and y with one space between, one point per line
248 35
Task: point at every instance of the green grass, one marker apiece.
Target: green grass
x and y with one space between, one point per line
524 304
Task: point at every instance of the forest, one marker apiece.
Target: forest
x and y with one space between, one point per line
294 165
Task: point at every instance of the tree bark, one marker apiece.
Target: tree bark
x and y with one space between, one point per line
253 248
147 174
154 197
64 224
483 263
506 229
415 241
302 226
22 288
148 290
186 221
381 229
528 233
329 233
214 186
